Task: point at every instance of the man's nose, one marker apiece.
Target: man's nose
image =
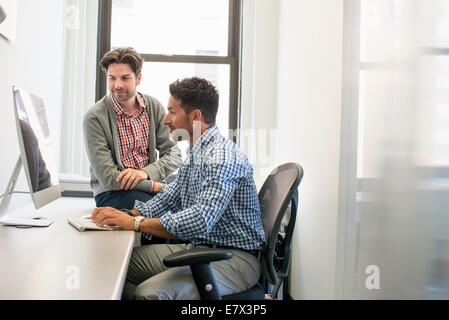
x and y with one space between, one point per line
166 120
118 83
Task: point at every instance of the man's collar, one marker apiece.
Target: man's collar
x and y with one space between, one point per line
121 112
204 140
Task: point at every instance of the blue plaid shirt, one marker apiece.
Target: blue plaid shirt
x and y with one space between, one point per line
213 199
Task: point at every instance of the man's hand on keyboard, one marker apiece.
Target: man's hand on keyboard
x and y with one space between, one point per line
112 217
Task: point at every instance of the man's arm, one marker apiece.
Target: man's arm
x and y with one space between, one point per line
216 192
169 200
169 152
217 189
113 217
100 157
154 227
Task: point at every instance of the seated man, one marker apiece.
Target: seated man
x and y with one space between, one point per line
212 202
122 132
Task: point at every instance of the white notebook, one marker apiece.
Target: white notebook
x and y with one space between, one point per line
26 222
85 223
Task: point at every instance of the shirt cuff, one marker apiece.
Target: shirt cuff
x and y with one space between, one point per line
143 208
170 225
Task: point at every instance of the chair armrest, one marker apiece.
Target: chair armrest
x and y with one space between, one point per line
196 256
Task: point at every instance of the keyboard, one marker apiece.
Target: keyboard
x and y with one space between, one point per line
82 224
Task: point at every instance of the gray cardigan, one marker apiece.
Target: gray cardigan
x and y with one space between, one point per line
101 142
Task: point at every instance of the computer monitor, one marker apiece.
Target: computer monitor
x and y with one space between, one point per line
36 153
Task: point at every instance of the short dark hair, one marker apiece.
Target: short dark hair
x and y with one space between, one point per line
123 55
197 93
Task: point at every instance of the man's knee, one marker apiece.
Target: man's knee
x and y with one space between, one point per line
172 284
147 292
154 291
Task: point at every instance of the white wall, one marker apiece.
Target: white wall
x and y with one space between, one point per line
301 40
309 115
33 62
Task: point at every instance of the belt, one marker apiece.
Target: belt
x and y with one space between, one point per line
252 252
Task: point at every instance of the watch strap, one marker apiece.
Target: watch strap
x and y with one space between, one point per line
137 221
129 212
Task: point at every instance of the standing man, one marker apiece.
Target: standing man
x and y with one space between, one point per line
122 132
212 202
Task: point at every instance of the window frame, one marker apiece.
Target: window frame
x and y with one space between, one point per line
232 59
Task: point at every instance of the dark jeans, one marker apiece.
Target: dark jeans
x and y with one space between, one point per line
121 199
124 199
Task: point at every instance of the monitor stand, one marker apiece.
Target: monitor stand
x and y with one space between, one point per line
6 198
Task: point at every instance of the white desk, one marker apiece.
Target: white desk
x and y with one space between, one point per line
59 262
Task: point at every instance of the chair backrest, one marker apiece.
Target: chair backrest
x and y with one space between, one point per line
278 191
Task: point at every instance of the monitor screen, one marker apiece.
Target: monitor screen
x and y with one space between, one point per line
36 151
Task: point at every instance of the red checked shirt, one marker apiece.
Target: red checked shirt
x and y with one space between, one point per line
134 132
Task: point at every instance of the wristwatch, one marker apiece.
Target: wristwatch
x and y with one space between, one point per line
137 221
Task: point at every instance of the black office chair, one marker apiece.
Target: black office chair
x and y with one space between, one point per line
279 190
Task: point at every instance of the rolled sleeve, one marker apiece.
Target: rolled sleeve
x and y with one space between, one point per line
168 200
172 225
143 208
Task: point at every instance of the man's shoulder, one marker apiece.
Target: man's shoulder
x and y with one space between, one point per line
226 150
222 144
98 109
151 102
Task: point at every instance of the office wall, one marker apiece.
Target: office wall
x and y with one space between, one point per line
292 67
308 118
33 62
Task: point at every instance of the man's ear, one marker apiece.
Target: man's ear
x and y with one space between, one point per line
139 78
197 115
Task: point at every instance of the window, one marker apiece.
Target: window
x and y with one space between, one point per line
382 44
177 38
395 149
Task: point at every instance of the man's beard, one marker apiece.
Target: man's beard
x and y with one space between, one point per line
125 95
183 133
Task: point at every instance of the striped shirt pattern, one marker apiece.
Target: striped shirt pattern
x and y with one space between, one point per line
213 199
133 132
